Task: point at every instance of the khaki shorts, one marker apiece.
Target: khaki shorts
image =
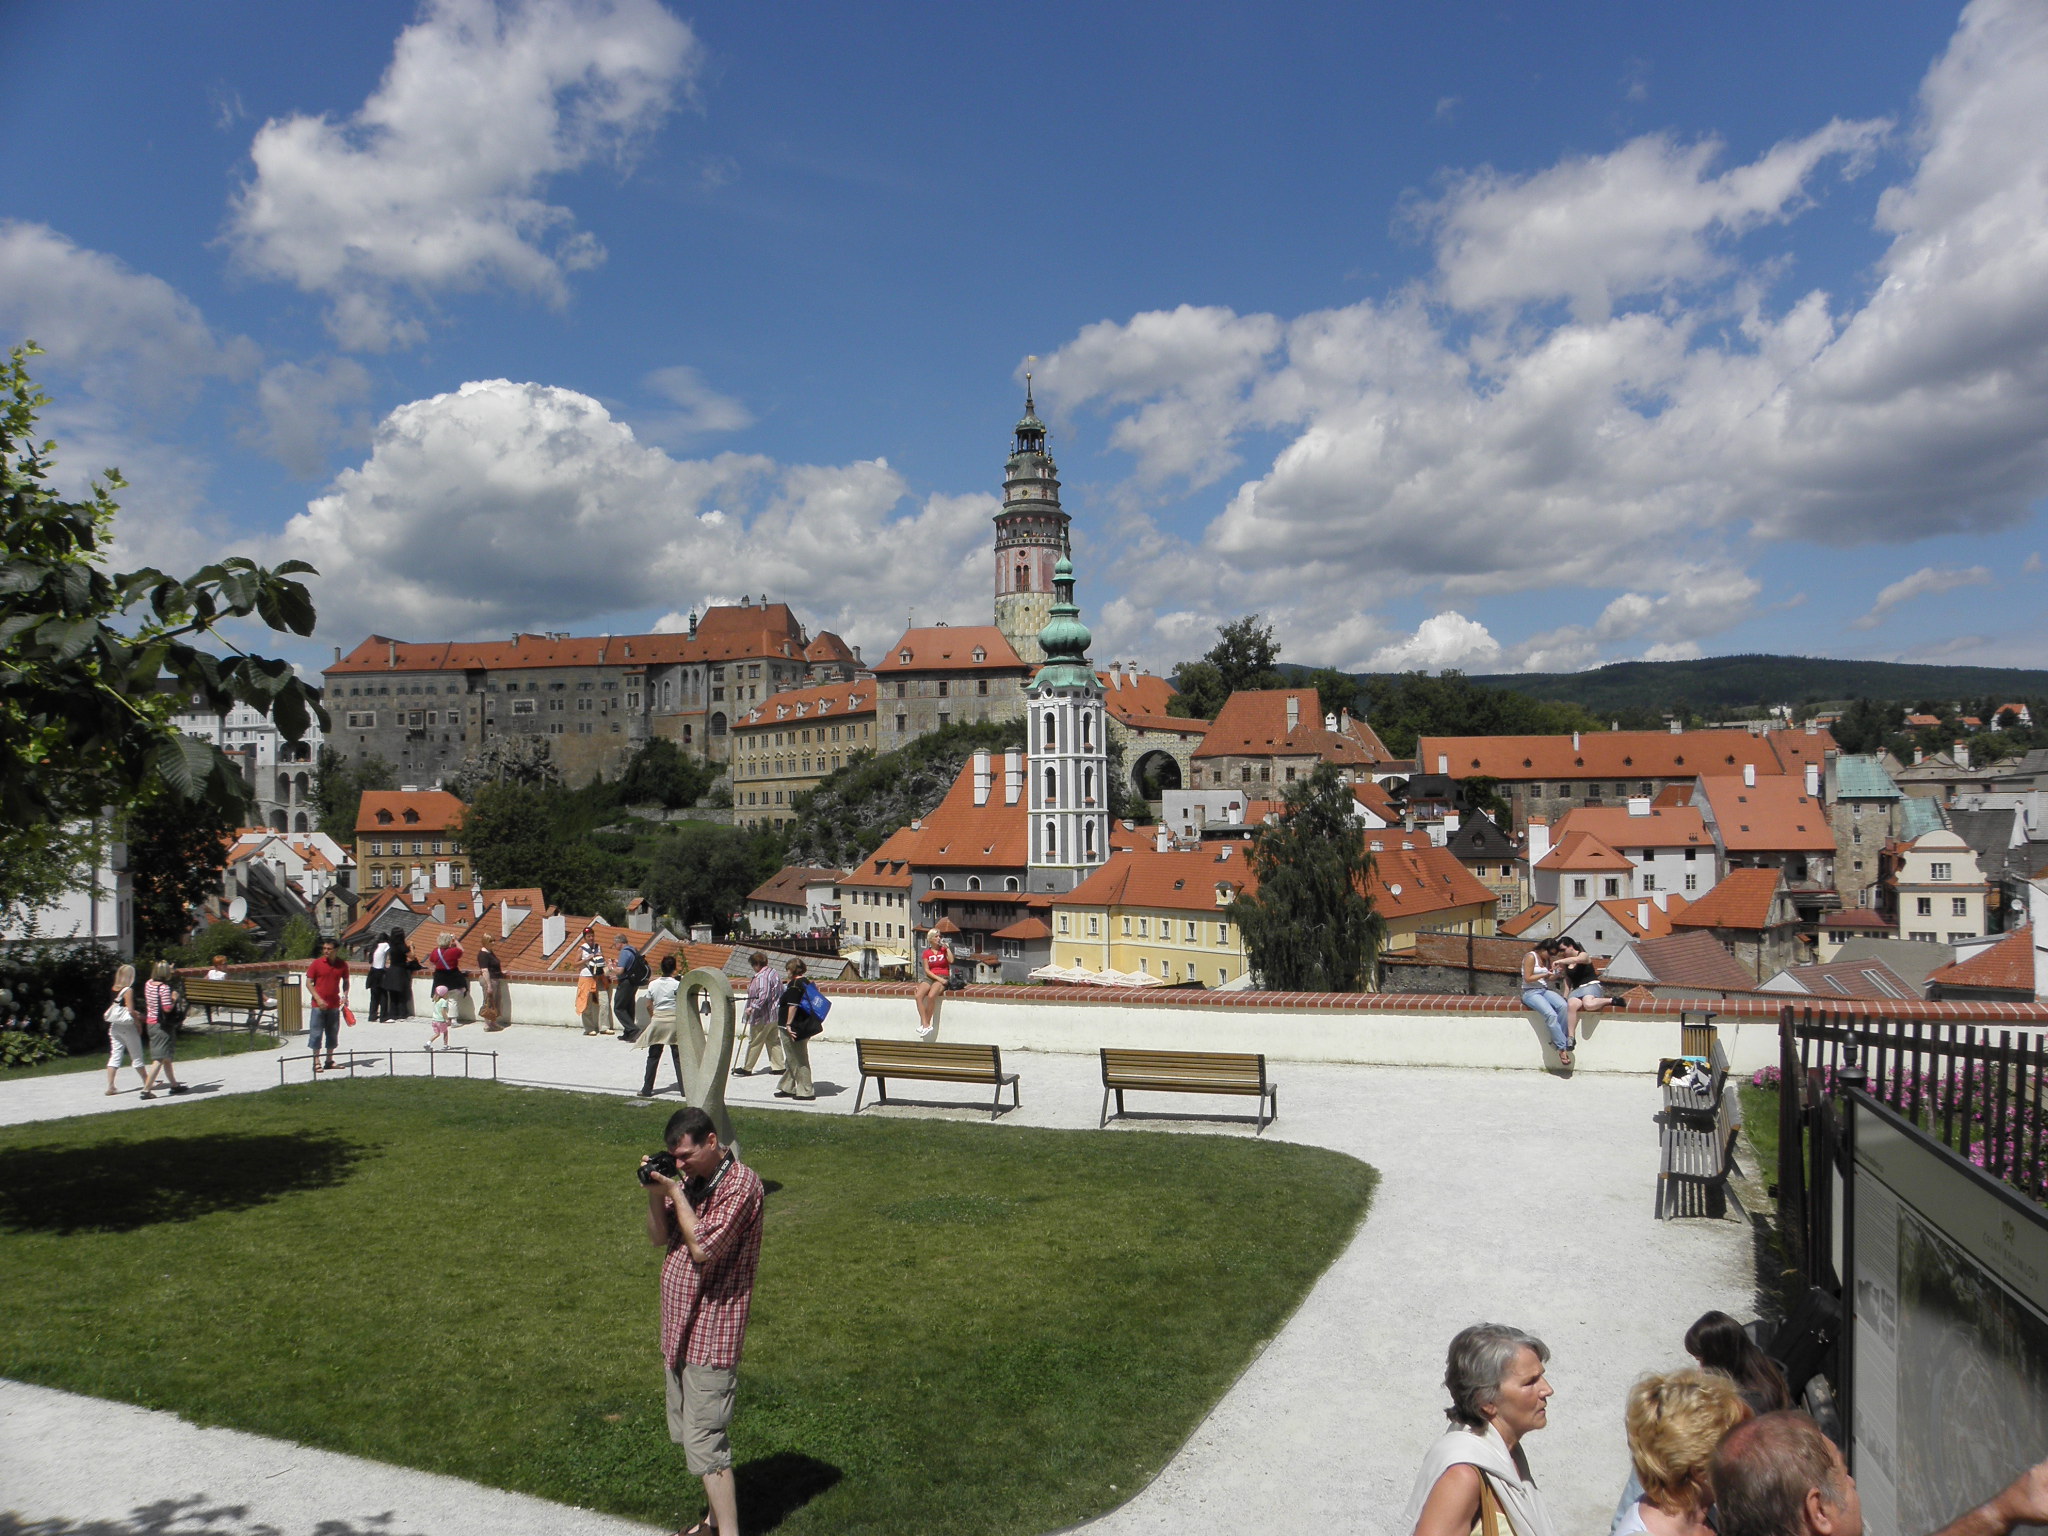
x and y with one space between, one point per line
699 1412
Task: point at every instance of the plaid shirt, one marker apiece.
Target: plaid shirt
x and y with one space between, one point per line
763 992
704 1310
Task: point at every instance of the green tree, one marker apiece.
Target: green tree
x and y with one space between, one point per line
661 773
1310 927
338 786
704 872
1244 656
91 662
1335 691
299 940
853 810
219 938
1406 706
176 852
514 837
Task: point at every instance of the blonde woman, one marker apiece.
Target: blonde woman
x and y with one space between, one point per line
936 963
158 999
124 1040
1674 1423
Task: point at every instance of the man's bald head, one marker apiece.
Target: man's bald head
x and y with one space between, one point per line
1767 1474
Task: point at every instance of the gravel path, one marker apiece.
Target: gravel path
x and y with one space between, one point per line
1511 1196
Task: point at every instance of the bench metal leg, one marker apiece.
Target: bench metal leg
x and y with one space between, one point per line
1105 1111
861 1093
995 1106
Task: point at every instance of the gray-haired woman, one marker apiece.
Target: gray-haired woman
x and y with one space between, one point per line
1476 1475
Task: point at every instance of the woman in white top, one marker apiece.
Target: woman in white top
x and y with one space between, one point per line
1499 1397
660 998
380 962
1674 1424
124 1039
1542 997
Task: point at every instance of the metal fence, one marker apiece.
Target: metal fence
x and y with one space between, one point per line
1976 1088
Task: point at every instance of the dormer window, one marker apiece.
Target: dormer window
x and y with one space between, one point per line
980 654
383 818
411 816
903 657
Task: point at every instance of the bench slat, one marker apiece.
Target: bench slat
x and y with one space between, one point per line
933 1061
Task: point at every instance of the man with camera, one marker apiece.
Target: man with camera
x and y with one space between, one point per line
704 1209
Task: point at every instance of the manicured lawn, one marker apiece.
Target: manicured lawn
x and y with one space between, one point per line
192 1046
958 1328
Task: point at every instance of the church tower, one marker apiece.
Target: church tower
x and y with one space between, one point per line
1031 537
1069 791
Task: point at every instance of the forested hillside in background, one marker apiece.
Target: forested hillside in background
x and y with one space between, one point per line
1715 686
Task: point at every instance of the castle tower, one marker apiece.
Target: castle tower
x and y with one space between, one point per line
1031 536
1069 747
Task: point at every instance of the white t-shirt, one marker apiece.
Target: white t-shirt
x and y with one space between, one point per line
216 974
661 994
382 957
1630 1521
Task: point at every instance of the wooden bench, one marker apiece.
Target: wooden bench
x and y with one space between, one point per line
933 1062
1187 1072
1696 1135
246 996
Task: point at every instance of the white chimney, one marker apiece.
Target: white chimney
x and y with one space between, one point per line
1663 901
1639 805
1575 741
1813 780
1233 816
1678 727
1344 721
1330 723
1164 844
1963 755
1749 775
1643 915
1013 776
982 776
1539 840
554 928
1443 764
1451 822
509 917
1919 757
1293 712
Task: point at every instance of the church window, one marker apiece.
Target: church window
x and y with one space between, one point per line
1051 733
1023 578
1052 839
1088 840
1052 786
1087 731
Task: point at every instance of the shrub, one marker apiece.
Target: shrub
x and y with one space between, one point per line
56 992
21 1048
219 938
299 941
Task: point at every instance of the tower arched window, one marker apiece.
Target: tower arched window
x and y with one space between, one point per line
1023 578
1088 840
1052 840
974 882
1051 732
1052 786
1087 786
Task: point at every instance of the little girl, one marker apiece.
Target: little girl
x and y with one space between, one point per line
444 1011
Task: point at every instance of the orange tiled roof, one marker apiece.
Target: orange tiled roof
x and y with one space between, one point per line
949 648
1628 915
1742 898
958 833
888 867
786 887
1664 827
825 704
1582 850
1613 754
1141 722
828 647
2007 965
1529 917
435 809
725 632
1253 723
1126 694
1416 878
1773 815
1179 880
1026 929
1374 798
1693 958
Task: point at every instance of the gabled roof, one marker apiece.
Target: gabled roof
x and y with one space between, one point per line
1416 878
724 633
1373 795
1253 723
1177 880
1581 850
1918 816
1867 980
1477 837
1914 959
1855 920
828 647
889 865
1025 929
786 887
949 648
1861 776
1742 899
2007 966
384 811
960 834
823 705
1620 755
1531 916
1773 815
1629 916
1989 834
1140 694
1614 825
1690 960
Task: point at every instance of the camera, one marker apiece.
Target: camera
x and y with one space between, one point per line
663 1163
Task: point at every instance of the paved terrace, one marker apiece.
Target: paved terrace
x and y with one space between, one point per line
1518 1195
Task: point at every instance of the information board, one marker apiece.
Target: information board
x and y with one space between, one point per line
1948 1296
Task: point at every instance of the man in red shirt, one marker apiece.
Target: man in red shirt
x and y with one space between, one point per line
710 1224
327 980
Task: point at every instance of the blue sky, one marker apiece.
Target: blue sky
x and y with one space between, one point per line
1486 335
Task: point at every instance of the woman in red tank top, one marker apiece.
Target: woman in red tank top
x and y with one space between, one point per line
936 962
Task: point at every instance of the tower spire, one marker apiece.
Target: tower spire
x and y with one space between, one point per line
1031 533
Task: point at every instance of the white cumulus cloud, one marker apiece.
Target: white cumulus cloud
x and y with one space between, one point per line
1928 581
436 182
508 505
1447 639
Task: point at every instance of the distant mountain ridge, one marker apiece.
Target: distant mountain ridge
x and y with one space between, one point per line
1714 683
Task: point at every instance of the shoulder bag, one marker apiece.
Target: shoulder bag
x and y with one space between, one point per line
1491 1521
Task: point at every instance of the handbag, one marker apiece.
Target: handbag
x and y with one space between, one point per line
116 1015
1490 1519
955 982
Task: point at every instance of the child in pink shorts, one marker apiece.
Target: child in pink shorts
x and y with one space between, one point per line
444 1010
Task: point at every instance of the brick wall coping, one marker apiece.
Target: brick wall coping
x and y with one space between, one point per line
1054 995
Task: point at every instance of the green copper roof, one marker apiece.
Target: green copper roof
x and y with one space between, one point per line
1859 776
1065 638
1917 817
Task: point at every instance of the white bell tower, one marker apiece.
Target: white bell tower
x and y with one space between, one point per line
1069 747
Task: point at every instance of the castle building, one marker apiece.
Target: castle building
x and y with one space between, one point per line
1069 779
1031 537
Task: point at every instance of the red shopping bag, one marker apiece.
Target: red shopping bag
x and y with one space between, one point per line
348 1016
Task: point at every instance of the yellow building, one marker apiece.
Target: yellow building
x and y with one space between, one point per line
405 836
1156 914
788 742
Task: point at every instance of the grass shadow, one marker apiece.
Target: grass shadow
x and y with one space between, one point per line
123 1186
772 1488
196 1516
